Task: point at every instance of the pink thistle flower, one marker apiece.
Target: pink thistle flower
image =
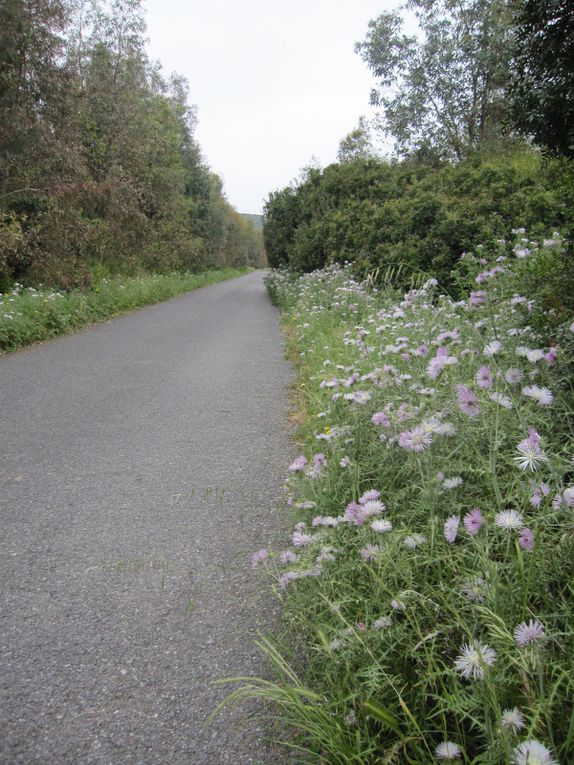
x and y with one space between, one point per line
473 521
550 357
467 401
361 626
484 378
527 633
526 540
513 376
371 552
369 496
380 418
288 556
300 539
451 528
261 556
416 440
477 298
299 464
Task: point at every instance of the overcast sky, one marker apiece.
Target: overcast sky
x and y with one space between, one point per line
276 82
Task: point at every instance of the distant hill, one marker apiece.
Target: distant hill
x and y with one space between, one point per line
255 220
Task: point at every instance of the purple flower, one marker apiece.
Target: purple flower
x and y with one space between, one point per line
526 540
477 298
467 401
415 440
473 521
484 378
527 633
298 464
300 539
451 528
369 496
260 556
380 418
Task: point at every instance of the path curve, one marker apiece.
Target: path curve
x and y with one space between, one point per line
140 466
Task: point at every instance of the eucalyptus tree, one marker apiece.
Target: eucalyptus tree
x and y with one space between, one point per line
442 90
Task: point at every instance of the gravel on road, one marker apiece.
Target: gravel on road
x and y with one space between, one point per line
141 464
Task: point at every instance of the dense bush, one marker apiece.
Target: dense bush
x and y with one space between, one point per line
423 216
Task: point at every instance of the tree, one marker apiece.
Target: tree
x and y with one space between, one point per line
356 144
542 87
444 92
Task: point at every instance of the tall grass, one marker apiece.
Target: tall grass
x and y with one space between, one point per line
429 585
28 314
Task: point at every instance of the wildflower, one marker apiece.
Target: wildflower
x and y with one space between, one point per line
467 401
371 552
288 576
452 483
414 540
451 528
498 398
260 556
536 355
542 396
398 605
513 376
484 378
416 439
527 633
526 540
472 589
344 462
382 622
477 298
473 659
532 752
447 750
369 496
380 526
473 521
300 539
491 349
380 418
512 720
299 464
373 507
509 520
288 556
530 452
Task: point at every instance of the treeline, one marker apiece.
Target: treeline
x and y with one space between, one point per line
99 167
482 119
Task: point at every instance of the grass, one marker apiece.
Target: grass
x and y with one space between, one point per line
428 588
28 315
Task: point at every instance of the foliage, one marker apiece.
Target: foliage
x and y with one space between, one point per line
542 89
427 588
445 91
98 160
28 315
357 144
375 213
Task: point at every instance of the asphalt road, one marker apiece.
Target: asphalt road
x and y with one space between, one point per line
141 464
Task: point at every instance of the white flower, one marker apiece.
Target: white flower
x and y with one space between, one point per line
512 720
535 355
509 520
532 752
452 483
447 750
491 349
381 526
501 400
473 659
414 540
542 396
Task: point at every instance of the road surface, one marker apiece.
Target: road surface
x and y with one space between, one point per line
141 464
